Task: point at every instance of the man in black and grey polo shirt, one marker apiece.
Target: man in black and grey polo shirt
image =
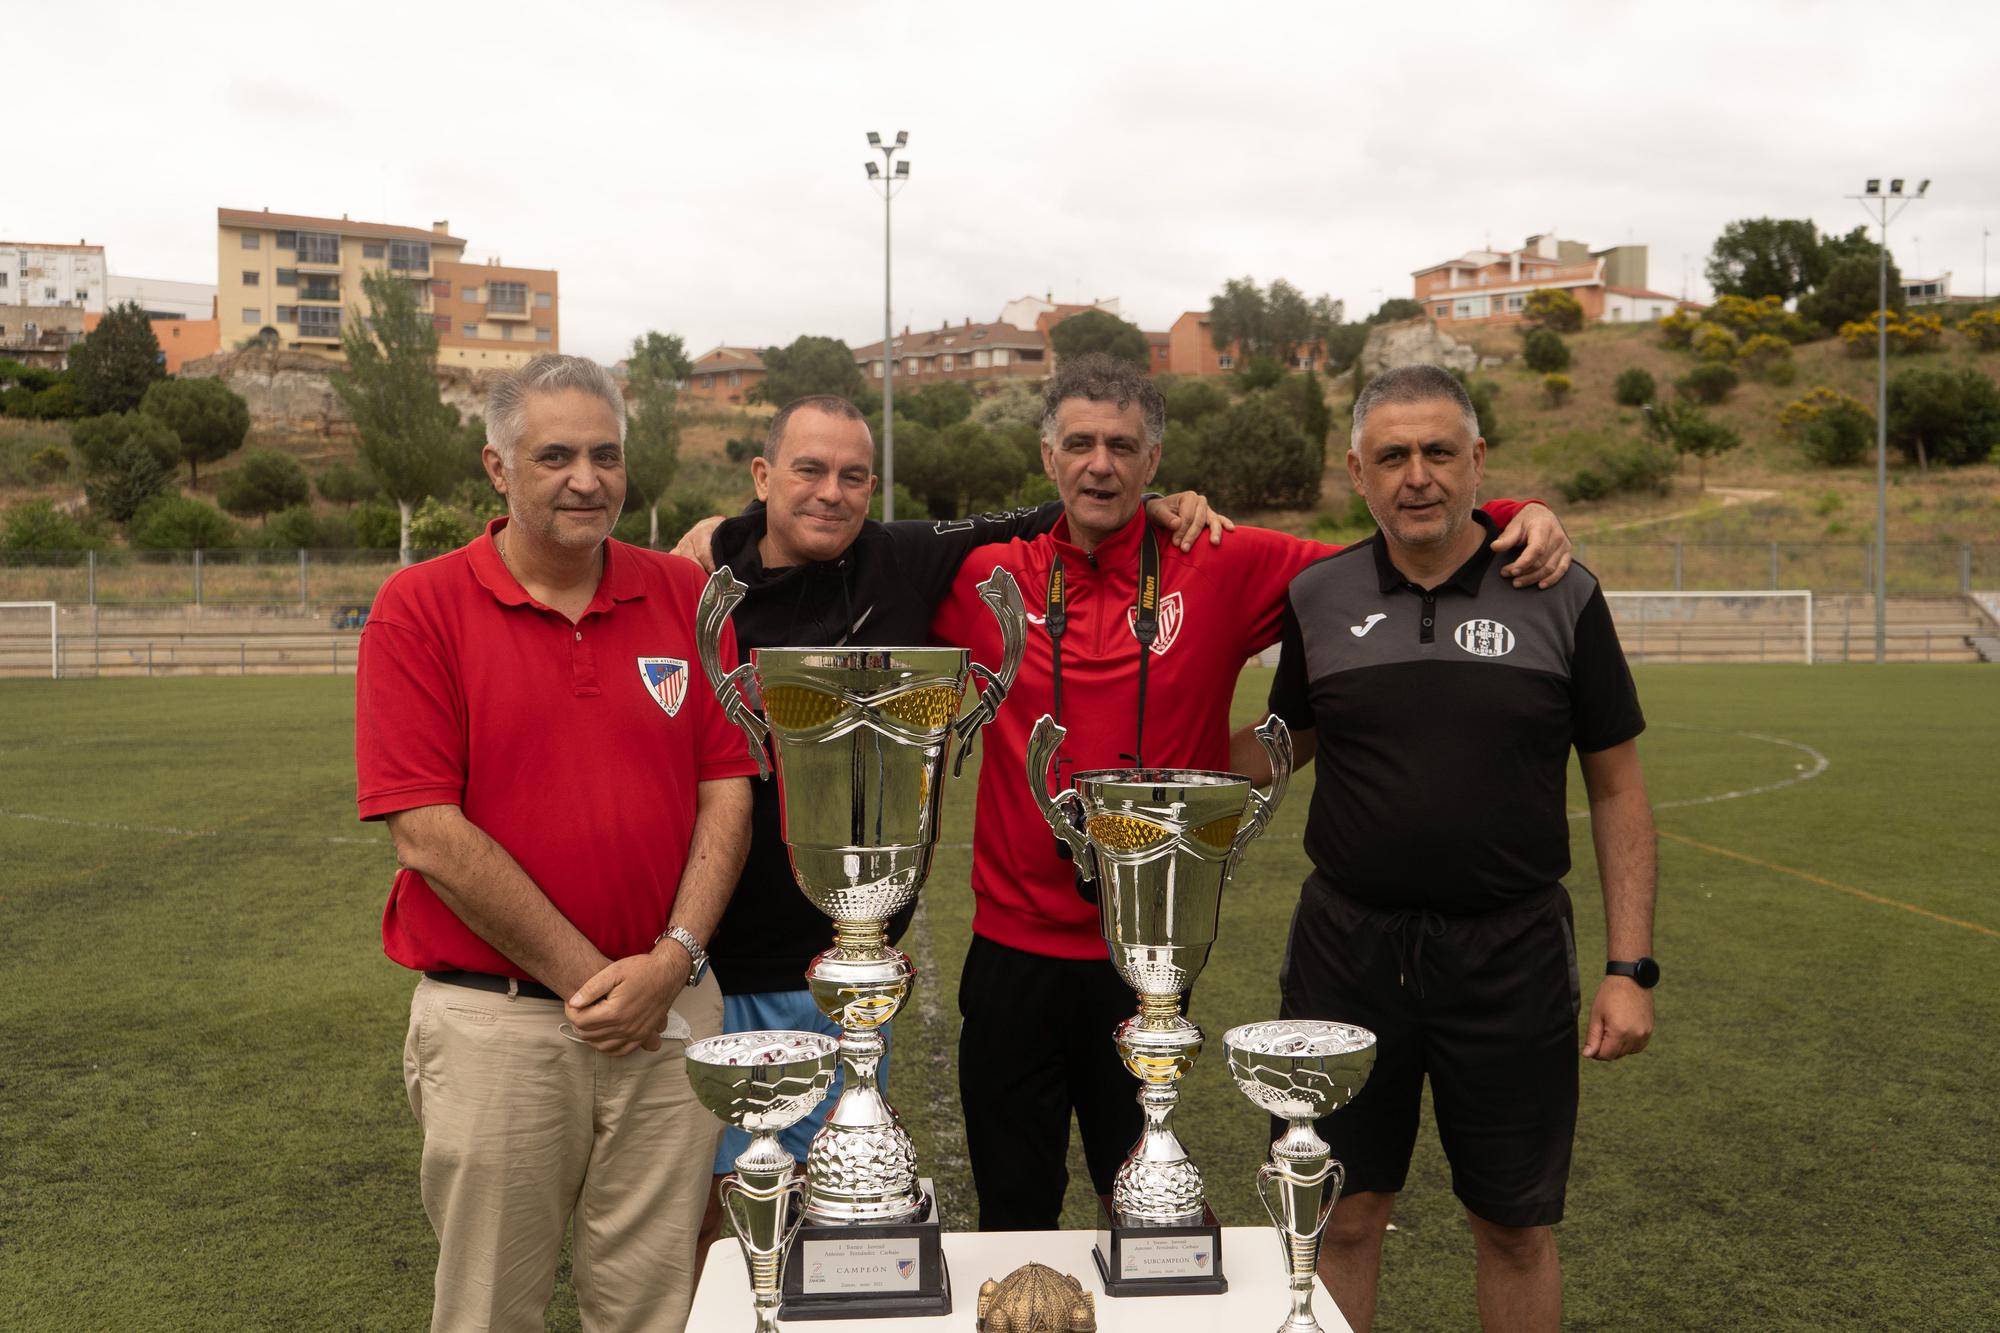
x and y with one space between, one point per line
1435 913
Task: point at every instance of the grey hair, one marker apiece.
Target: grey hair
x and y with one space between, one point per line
507 399
1100 378
1411 384
831 404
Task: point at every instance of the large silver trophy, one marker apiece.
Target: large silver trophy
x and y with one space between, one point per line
1300 1069
862 737
762 1082
1158 844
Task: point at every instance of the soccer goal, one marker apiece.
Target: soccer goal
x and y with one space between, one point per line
28 642
1774 626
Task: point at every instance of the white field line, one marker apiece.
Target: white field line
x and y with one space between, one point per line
1820 764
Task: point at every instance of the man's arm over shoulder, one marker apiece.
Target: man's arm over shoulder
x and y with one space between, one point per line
930 553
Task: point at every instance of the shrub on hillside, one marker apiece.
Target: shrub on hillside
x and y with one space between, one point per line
299 528
1795 416
1254 456
377 526
1941 416
1839 434
1189 400
343 484
437 527
1908 333
264 483
1686 429
1708 383
1748 318
181 523
1485 396
1983 328
37 525
1621 467
98 439
1556 389
1763 351
48 464
1677 328
1634 387
1544 351
1712 342
1554 308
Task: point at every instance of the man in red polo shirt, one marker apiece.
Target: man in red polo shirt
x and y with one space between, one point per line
1038 994
570 811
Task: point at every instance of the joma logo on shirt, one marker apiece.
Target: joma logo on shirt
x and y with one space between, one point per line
1484 638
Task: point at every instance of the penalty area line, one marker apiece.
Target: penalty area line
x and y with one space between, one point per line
1835 885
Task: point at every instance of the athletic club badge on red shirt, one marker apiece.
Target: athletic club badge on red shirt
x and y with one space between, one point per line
666 680
1171 616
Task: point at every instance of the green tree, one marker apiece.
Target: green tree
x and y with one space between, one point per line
1101 331
1555 309
810 365
659 356
1396 308
210 420
1279 323
1258 372
181 523
1689 430
1485 396
437 527
1634 387
1556 388
1756 257
1255 457
1708 382
1839 434
1943 416
947 404
653 422
343 484
37 525
1851 291
376 526
1303 398
406 432
1544 351
1013 403
118 362
264 482
1191 400
299 529
1856 244
98 439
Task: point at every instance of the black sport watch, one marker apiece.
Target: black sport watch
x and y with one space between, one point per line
1644 971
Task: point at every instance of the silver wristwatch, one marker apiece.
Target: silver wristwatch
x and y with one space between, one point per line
697 955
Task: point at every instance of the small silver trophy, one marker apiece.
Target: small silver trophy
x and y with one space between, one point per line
1159 844
762 1082
1300 1069
862 737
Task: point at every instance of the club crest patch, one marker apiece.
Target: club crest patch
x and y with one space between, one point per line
666 679
1172 613
1484 638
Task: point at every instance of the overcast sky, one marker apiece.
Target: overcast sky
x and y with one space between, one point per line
698 168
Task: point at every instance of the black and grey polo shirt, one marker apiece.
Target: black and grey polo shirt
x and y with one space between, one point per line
1445 719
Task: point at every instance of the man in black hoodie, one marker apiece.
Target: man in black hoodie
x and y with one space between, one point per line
821 572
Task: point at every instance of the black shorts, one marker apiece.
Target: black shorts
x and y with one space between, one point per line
1486 1006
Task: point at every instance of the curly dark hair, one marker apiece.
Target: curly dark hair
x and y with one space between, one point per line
1103 379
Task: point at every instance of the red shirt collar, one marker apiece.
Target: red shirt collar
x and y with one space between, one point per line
620 582
1120 544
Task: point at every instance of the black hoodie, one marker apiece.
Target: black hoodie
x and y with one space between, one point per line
879 593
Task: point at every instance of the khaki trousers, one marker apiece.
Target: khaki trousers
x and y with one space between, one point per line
525 1130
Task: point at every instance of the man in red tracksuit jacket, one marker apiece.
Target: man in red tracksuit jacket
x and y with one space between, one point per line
1038 993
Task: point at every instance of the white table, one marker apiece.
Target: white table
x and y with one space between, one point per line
1257 1297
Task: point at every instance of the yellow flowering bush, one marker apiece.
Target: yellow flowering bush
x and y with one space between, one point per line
1556 388
1761 351
1908 333
1677 328
1713 342
1765 315
1983 327
1795 416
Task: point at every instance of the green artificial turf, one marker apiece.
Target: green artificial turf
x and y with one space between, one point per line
202 1120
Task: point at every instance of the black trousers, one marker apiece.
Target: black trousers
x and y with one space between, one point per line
1035 1046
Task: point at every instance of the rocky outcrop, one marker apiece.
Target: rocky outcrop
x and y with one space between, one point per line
291 392
1417 342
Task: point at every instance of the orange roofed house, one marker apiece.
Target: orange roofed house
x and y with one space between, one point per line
1491 287
726 374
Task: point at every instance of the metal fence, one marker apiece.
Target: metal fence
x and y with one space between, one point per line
310 579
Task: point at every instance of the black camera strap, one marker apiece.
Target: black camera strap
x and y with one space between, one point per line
1145 627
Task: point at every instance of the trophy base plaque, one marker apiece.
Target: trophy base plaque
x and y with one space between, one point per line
869 1270
1136 1258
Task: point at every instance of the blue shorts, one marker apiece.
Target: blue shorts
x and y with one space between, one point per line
786 1011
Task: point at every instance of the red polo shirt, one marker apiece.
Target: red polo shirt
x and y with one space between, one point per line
577 747
1219 605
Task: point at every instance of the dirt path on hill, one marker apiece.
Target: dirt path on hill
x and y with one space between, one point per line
1731 496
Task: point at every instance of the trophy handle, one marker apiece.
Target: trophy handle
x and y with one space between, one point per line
1336 1178
1063 812
1277 741
1002 596
718 598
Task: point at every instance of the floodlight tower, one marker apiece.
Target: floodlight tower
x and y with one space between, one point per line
1876 204
890 176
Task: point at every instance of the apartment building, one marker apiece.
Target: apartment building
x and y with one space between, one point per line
36 275
41 336
294 280
1492 286
968 351
163 298
726 374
